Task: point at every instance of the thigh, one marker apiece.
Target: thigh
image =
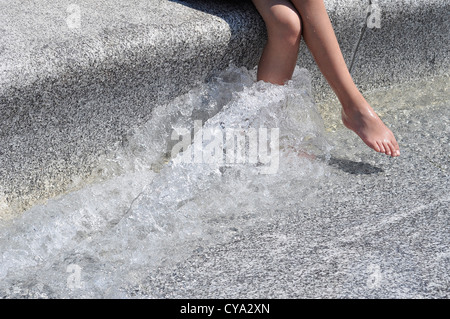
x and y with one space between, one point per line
277 12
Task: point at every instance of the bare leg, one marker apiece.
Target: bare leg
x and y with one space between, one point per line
318 33
280 54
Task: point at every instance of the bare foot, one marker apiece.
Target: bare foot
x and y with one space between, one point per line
370 128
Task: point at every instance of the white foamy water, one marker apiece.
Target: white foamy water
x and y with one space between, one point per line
153 210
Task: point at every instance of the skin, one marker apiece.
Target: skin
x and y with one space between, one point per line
286 22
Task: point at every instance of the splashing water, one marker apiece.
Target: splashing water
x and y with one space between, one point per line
153 209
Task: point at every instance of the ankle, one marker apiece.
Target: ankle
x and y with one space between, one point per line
355 103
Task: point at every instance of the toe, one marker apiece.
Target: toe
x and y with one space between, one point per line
397 148
393 150
387 148
381 147
376 147
394 144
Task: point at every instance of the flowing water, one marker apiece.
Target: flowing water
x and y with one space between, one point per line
176 187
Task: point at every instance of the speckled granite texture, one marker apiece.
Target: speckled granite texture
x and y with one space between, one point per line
77 78
68 94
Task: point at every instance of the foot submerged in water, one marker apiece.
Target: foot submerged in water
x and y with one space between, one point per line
370 128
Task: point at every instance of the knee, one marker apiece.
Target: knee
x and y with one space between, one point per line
284 25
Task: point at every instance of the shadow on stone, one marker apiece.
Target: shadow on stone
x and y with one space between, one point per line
247 28
225 10
352 167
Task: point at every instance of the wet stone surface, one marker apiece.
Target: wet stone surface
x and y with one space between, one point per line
376 227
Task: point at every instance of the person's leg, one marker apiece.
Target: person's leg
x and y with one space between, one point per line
283 24
357 114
